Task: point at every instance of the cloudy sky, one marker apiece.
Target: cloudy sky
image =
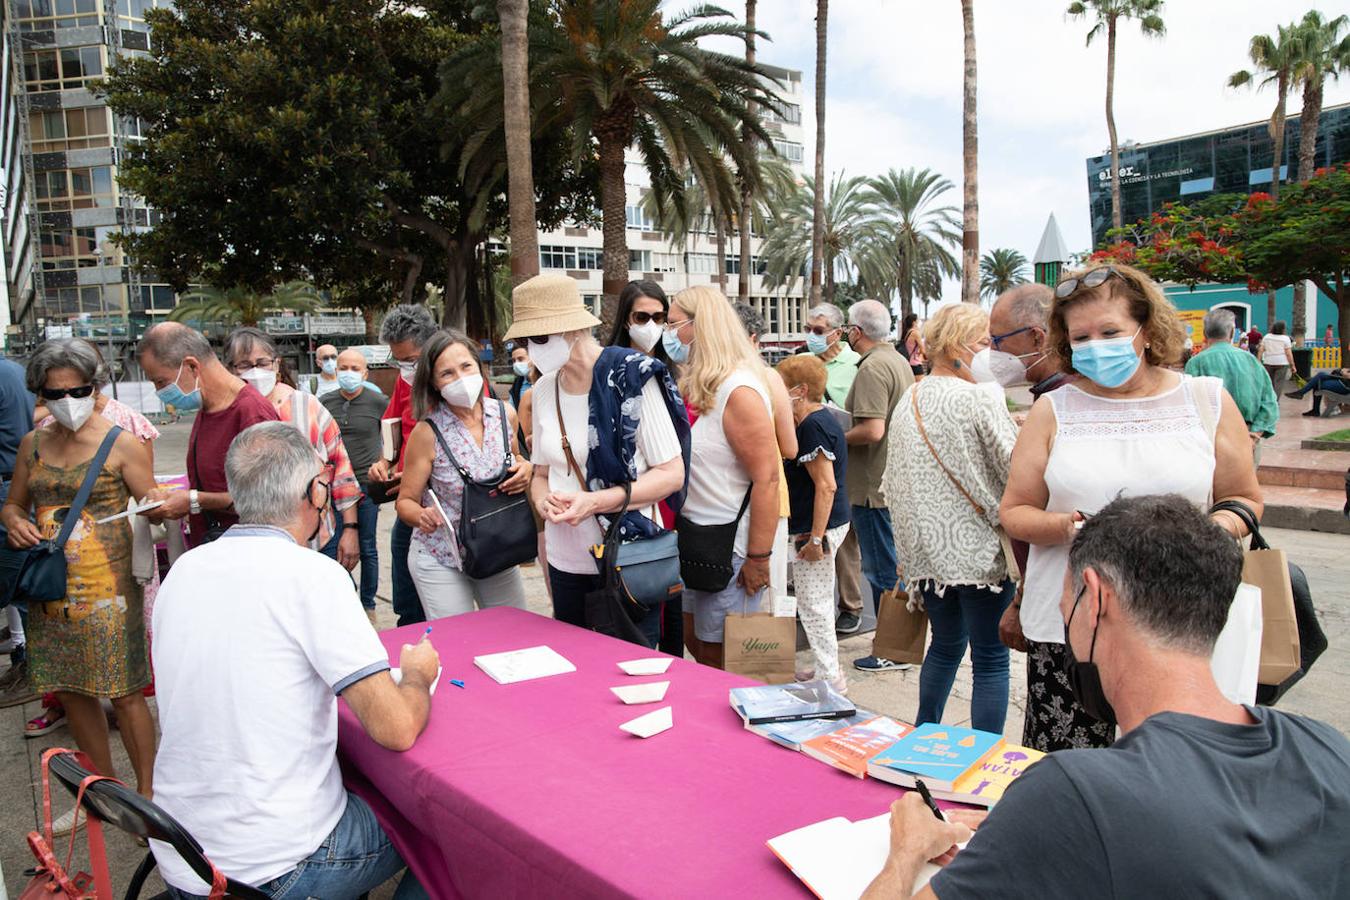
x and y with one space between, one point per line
894 93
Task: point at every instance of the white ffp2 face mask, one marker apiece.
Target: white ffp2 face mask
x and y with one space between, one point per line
645 335
551 355
262 379
72 412
463 393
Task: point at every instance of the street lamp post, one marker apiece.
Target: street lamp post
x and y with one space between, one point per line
104 250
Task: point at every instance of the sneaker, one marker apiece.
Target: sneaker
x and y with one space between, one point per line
879 664
840 684
1294 395
1312 414
848 623
66 823
15 688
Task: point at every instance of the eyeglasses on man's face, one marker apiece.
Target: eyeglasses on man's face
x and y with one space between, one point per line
247 365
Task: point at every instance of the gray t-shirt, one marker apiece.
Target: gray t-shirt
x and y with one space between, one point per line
359 421
1180 807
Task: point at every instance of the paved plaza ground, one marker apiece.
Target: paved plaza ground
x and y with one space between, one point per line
1325 557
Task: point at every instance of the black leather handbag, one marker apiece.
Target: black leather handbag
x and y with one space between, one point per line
496 529
706 551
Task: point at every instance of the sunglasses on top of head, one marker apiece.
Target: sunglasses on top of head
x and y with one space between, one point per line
1069 286
79 393
642 318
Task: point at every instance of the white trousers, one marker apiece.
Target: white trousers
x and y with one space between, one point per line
449 592
814 583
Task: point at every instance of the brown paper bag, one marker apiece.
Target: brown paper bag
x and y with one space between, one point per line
762 646
1269 570
902 636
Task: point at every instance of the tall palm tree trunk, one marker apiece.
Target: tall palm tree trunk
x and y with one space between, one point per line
720 238
1111 120
818 215
1307 165
970 150
614 223
1277 126
743 285
516 108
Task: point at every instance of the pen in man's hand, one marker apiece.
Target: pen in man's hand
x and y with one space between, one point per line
426 634
928 799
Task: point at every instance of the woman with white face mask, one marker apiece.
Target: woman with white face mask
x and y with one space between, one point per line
575 485
947 464
90 644
643 307
250 354
455 417
1128 425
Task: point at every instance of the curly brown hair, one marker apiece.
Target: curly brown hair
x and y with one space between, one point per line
1164 333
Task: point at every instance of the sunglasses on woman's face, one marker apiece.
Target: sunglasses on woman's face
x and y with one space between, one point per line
539 338
79 393
642 318
1095 278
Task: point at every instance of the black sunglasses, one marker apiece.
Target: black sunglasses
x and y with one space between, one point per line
539 338
79 393
1095 278
642 318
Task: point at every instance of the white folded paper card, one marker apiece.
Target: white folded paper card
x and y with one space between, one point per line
397 674
655 665
522 665
837 859
642 693
135 510
650 724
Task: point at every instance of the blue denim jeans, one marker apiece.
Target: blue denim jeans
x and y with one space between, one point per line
966 614
356 857
407 604
367 518
569 603
876 544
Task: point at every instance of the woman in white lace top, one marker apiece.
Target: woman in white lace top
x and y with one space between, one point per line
1128 427
951 440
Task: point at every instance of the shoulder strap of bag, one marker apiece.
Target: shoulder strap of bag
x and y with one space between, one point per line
449 454
923 433
562 430
87 488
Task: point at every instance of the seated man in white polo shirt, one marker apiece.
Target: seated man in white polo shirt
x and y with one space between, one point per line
255 637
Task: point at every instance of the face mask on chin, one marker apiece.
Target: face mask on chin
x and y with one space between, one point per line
1085 680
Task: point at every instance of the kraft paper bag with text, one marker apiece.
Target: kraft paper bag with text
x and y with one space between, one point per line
1269 571
902 634
762 646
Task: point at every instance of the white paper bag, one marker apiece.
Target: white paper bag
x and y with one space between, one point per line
1237 652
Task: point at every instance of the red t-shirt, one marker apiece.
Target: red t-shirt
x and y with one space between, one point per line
400 407
211 435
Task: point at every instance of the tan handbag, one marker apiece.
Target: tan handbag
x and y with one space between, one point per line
902 634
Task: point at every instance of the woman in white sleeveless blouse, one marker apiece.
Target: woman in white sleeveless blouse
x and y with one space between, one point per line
1128 426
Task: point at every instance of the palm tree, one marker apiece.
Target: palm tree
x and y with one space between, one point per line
818 252
919 236
243 306
970 152
850 236
1000 269
1273 58
1320 52
1108 13
514 16
747 192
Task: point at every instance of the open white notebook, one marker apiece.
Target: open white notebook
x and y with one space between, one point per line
837 859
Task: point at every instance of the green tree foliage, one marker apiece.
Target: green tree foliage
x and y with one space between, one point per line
244 306
1183 243
919 235
1001 269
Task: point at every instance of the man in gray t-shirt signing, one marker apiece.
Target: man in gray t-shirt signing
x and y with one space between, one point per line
1201 797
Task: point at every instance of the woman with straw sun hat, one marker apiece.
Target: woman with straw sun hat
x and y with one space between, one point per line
602 417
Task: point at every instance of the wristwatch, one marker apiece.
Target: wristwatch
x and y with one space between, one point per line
817 540
346 525
194 506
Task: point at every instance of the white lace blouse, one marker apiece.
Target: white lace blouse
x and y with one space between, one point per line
939 537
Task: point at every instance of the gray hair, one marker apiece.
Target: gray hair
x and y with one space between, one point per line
1029 304
872 317
1174 570
1219 324
172 342
833 315
408 322
751 320
267 469
65 353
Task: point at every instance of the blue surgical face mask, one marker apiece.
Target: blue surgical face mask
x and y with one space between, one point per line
328 366
172 395
676 349
349 381
1109 362
521 367
816 343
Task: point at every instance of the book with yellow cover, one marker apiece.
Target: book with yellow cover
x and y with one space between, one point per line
985 784
850 748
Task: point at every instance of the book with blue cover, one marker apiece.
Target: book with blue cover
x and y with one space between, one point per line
790 702
939 754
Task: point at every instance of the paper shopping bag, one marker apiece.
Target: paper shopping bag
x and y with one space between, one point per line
1269 571
762 646
901 634
1237 653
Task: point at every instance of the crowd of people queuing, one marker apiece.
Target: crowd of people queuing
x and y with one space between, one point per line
878 453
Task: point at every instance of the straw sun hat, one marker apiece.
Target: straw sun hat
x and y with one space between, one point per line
547 304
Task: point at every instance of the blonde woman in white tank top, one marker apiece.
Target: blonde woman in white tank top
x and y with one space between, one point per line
1128 426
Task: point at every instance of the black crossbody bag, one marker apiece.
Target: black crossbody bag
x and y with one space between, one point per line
706 551
496 529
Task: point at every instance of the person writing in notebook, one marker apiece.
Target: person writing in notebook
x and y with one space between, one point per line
1200 796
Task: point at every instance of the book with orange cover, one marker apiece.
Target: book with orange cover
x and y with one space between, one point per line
985 784
850 748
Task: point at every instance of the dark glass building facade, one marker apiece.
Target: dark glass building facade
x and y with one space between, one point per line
1233 160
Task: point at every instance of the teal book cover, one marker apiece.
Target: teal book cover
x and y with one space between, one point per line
937 753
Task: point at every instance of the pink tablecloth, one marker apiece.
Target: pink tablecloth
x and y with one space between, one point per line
531 789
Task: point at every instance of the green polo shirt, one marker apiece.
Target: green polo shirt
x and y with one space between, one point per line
839 374
1247 382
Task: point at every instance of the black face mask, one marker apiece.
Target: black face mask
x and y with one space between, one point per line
1084 680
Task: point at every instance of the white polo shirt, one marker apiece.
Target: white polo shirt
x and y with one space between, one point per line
254 638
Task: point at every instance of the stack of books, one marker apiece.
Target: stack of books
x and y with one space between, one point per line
763 705
959 764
